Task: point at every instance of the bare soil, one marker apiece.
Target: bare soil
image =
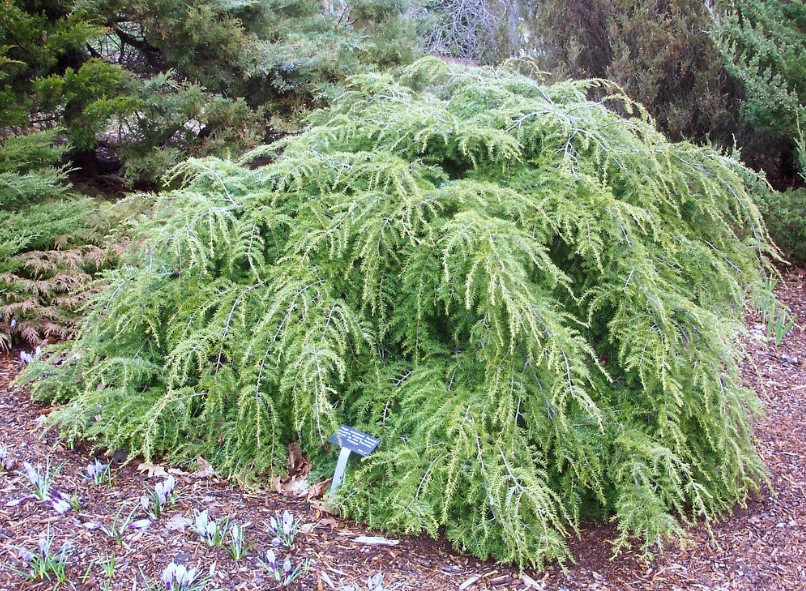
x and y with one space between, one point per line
761 546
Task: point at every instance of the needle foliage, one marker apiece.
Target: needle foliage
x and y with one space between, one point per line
763 45
532 299
51 242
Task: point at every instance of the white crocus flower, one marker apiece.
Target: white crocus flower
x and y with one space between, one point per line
61 506
168 575
288 522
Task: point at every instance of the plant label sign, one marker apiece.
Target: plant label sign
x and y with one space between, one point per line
350 440
355 440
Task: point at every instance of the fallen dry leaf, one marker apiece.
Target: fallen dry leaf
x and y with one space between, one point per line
298 464
329 522
205 469
317 491
295 484
322 506
176 523
153 470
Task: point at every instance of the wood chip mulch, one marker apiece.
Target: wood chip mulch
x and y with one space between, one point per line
761 546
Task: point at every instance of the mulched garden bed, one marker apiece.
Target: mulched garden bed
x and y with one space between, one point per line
762 546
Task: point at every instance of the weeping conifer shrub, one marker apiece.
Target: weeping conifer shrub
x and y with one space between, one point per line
531 299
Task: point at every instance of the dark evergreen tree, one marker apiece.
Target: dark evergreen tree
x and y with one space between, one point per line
764 46
160 80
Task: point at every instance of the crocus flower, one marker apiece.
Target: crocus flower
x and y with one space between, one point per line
95 470
186 576
207 528
165 489
62 502
201 523
6 461
20 501
288 522
271 559
32 474
177 577
60 505
284 529
140 524
273 526
271 565
44 545
168 575
236 531
287 566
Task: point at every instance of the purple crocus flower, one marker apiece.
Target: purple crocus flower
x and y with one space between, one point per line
177 577
165 489
20 501
283 528
204 526
61 501
32 474
271 559
168 575
288 522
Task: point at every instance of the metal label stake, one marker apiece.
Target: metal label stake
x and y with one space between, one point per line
341 466
350 440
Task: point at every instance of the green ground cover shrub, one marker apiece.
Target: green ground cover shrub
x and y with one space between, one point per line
116 93
532 300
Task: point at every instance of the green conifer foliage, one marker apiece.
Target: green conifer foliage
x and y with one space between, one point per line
764 46
51 242
531 299
763 43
